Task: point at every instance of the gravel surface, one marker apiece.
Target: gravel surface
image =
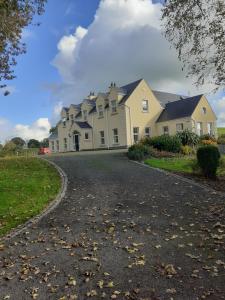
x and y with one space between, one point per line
122 231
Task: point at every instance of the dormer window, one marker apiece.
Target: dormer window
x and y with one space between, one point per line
67 116
204 110
85 115
71 118
144 105
113 105
100 111
64 122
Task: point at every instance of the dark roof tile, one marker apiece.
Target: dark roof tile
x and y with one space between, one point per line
83 125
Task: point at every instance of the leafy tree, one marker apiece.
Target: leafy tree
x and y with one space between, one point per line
53 129
18 141
33 143
14 16
197 30
45 143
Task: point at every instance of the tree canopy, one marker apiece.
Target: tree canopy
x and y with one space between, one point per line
18 141
15 15
197 30
33 143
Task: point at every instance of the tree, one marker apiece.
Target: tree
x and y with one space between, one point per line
18 142
53 129
45 143
14 16
197 31
33 143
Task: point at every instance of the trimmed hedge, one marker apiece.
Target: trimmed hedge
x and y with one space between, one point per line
166 143
208 159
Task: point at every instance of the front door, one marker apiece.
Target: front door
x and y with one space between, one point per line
76 142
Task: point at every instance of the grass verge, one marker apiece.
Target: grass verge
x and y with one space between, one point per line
27 185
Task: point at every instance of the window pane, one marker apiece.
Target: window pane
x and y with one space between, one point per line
145 105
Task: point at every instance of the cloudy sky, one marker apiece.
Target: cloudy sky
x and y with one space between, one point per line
83 45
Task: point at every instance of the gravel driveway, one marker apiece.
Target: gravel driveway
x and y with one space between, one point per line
122 231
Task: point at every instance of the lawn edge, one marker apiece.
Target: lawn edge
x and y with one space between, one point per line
182 178
51 206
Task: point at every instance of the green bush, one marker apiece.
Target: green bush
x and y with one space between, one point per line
188 138
208 159
138 152
186 150
146 141
207 137
221 139
166 143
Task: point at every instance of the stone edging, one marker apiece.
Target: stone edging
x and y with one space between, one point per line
53 204
186 180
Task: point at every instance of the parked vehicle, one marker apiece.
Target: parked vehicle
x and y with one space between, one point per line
43 151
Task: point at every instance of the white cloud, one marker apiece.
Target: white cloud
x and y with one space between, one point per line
38 130
218 105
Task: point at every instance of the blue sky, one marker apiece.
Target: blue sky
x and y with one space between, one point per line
114 42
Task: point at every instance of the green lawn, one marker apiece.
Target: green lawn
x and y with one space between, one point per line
27 185
221 130
179 164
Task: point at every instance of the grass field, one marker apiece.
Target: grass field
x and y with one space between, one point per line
221 130
179 164
27 185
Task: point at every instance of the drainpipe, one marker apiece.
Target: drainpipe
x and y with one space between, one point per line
107 126
130 123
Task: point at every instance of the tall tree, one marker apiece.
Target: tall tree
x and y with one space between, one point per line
33 143
15 15
196 28
18 141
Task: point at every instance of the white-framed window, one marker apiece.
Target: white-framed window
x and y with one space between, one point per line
204 110
147 131
71 118
179 127
85 115
100 111
102 137
53 146
57 145
86 136
144 105
64 122
65 143
113 105
210 128
67 116
115 136
199 128
136 134
165 129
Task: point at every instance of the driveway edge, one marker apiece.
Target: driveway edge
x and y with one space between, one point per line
53 204
187 180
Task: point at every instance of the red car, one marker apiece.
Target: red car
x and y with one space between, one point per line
43 151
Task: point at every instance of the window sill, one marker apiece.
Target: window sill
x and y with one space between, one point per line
114 113
145 111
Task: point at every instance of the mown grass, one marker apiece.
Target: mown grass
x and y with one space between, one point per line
221 130
180 164
27 185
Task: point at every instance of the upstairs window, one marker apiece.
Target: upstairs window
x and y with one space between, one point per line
144 105
67 116
71 118
100 111
179 127
147 131
204 110
113 105
102 137
136 134
64 122
115 136
86 136
85 115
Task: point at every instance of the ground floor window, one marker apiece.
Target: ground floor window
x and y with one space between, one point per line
179 127
65 143
165 129
57 145
115 136
86 136
53 146
199 128
102 137
210 129
147 131
136 134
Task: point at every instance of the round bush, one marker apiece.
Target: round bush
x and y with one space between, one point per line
136 155
208 159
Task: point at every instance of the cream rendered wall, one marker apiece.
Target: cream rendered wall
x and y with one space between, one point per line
199 116
135 117
63 133
187 123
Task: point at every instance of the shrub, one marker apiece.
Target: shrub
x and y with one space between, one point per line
195 166
207 137
146 141
186 150
208 142
166 143
221 140
208 159
138 152
188 138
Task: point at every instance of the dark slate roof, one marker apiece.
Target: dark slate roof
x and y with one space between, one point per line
89 101
65 108
128 90
179 109
165 98
83 125
76 106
